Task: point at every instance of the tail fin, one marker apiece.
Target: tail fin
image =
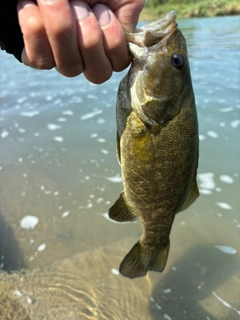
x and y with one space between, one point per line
140 260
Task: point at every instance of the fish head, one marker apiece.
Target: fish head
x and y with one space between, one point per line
159 73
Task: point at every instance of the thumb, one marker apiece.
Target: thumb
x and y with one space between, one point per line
128 14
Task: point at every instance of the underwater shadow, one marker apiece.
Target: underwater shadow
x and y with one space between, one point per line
10 255
192 279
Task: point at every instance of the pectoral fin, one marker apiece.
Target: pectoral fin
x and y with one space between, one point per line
192 196
122 210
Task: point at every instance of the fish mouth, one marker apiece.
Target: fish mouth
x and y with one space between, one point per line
152 33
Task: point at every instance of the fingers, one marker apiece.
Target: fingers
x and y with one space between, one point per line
90 41
73 38
50 36
101 41
61 32
114 40
37 52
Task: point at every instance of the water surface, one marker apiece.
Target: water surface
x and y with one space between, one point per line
59 175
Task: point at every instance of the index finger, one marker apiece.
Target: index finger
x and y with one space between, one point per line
60 28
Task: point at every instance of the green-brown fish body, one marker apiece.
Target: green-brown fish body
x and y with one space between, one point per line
157 141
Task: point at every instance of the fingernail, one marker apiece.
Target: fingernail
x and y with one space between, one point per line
24 4
80 9
103 14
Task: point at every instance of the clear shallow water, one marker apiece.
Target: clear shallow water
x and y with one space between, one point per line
59 176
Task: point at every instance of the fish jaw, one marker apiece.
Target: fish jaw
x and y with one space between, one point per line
147 39
152 33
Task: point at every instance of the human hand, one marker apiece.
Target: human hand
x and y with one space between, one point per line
78 36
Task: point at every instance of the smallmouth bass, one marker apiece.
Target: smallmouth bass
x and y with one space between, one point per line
157 141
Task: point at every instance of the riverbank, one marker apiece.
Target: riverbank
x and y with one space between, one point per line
194 9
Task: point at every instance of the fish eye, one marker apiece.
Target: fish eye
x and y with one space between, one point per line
178 60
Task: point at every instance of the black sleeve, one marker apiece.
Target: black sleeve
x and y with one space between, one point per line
11 39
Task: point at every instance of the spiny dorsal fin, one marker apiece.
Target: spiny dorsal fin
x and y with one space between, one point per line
192 196
122 210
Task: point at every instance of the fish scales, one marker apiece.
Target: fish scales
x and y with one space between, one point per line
157 142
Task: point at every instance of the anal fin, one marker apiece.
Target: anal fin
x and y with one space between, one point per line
122 210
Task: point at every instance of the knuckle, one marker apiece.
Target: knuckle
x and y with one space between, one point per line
70 71
32 27
93 40
41 63
59 30
99 78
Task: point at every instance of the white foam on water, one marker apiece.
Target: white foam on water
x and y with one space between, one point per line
235 123
29 114
101 120
61 119
90 115
201 137
205 191
101 140
21 130
105 151
115 271
224 205
22 99
227 179
115 179
49 98
212 134
206 180
65 214
226 109
68 113
94 135
1 168
53 126
225 303
4 134
29 222
92 96
42 247
226 249
167 317
99 200
221 100
58 139
167 291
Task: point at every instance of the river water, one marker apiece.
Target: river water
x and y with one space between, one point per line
59 175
